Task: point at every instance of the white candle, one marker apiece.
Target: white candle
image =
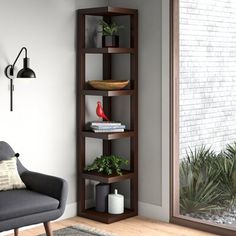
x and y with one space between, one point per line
115 203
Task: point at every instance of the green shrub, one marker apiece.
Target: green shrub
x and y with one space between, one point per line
228 174
208 180
199 182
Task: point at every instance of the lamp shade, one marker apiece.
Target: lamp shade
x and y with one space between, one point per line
26 72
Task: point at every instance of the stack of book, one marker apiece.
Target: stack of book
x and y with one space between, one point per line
106 126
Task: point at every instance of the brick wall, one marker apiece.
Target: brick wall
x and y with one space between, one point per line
207 73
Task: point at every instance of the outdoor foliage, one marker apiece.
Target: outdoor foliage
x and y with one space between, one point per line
208 180
228 174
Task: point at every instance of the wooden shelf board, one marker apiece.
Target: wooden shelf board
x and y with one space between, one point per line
108 50
107 178
108 136
110 93
107 11
105 217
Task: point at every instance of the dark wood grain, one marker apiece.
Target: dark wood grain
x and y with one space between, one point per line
106 217
48 229
134 111
107 102
108 136
108 178
80 110
16 232
111 93
83 90
107 11
108 50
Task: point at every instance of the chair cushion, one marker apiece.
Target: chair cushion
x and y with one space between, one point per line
9 177
22 202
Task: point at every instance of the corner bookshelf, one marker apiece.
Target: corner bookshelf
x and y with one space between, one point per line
82 91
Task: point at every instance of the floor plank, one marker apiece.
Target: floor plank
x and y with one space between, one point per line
135 226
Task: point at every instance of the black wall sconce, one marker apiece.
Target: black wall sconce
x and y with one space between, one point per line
26 72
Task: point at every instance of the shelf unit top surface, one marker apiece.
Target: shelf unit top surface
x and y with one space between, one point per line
107 11
107 178
108 50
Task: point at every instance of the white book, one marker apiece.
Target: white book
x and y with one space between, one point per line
108 130
104 123
107 127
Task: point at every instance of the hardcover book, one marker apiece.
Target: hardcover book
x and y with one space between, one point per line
104 123
109 127
108 130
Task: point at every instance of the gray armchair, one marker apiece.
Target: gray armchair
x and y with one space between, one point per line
43 200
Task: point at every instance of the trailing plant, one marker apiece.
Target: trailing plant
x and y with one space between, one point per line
107 165
109 29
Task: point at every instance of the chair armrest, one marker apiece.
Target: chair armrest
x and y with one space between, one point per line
48 185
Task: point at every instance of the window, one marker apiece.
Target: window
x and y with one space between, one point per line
204 114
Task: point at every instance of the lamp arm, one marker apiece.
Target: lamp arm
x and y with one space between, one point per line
9 72
24 48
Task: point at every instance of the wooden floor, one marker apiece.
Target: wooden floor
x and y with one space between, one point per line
135 226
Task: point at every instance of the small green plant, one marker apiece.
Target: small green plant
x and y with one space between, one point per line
109 29
107 165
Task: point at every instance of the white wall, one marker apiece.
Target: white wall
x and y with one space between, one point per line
42 126
153 108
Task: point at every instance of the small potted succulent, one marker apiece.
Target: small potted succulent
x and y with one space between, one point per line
107 165
109 34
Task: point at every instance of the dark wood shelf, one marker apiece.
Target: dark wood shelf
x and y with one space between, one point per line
110 93
105 217
108 50
108 136
108 103
107 178
107 11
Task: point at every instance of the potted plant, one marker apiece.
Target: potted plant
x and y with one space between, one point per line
109 31
107 165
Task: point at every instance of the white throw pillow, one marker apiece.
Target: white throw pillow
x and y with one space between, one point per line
9 177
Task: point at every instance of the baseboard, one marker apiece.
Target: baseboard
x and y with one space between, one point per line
153 211
70 211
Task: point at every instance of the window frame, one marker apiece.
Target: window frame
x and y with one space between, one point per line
175 217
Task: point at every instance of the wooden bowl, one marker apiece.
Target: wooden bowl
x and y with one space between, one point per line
108 84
